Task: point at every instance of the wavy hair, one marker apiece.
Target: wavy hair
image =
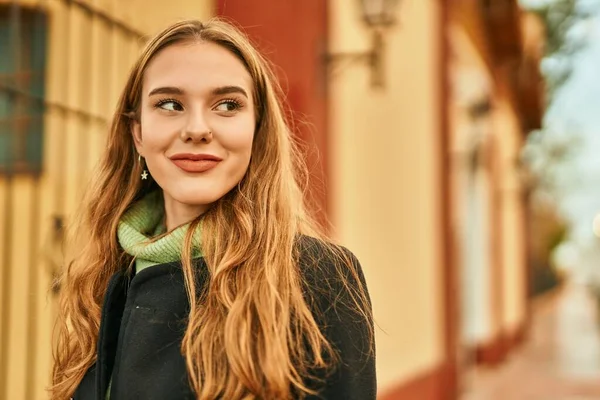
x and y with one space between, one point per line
250 333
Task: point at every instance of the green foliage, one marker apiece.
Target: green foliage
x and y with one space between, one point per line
548 151
559 17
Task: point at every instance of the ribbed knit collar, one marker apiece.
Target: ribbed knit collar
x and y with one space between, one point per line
143 222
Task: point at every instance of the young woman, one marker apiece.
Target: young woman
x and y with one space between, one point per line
200 274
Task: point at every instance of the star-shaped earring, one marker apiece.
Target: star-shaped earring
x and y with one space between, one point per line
144 175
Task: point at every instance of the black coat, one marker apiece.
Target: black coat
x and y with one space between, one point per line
143 324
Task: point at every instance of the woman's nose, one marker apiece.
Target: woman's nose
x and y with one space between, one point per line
196 129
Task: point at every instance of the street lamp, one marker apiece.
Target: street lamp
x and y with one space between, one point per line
377 15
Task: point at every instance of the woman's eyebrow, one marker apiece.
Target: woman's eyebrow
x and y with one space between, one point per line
219 91
166 90
229 90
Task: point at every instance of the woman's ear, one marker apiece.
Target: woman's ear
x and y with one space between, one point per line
136 132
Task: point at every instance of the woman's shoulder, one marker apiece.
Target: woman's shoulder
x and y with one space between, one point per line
330 271
312 249
319 255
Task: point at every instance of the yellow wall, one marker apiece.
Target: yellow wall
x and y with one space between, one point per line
385 183
472 82
510 141
148 16
87 63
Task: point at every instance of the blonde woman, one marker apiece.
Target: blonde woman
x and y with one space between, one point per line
201 275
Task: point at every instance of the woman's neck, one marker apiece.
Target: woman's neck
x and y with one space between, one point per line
177 213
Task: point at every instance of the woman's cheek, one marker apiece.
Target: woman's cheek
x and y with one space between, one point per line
238 135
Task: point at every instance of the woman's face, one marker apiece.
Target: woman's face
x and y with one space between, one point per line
196 126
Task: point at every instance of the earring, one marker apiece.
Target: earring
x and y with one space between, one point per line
144 172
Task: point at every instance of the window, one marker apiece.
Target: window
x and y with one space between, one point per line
22 86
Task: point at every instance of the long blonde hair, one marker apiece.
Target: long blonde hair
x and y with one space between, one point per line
254 335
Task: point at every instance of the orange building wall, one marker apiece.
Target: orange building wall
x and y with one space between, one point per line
385 183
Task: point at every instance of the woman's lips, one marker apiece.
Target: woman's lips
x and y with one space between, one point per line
195 165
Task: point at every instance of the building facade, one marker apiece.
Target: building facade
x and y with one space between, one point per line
418 175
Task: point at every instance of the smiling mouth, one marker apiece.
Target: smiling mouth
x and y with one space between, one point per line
195 166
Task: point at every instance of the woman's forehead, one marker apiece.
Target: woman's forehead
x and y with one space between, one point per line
196 67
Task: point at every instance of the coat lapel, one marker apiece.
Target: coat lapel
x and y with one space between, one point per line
112 313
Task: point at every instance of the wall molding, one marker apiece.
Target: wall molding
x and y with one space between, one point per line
495 351
434 384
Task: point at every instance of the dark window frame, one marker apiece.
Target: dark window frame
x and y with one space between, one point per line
22 88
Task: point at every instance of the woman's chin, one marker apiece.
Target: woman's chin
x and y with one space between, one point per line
193 199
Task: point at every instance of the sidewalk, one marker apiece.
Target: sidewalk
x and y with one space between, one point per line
561 359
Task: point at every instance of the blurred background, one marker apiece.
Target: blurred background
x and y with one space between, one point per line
453 144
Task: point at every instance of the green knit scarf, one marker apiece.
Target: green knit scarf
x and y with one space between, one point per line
144 221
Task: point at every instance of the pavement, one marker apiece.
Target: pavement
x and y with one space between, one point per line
559 361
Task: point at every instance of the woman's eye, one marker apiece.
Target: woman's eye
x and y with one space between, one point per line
169 105
228 106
